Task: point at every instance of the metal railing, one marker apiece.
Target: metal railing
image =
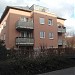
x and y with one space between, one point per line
60 42
24 41
61 29
22 24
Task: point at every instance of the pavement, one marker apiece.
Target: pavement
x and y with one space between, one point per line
68 71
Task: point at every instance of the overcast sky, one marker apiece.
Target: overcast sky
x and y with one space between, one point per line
62 8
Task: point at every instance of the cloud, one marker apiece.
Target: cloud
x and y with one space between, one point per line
70 24
13 1
62 8
4 3
59 7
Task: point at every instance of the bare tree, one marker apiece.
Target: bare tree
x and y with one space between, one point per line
70 41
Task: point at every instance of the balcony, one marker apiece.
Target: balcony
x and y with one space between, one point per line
20 25
61 29
60 42
24 41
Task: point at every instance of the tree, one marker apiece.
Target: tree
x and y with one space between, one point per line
3 51
70 41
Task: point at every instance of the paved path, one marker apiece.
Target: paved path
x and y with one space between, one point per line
69 71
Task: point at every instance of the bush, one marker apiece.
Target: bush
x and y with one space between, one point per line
3 51
18 64
39 65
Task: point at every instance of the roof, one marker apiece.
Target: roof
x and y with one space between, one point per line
61 18
17 8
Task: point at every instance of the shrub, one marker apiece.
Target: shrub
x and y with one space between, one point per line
3 51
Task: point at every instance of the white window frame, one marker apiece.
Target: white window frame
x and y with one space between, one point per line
42 34
42 21
51 35
50 22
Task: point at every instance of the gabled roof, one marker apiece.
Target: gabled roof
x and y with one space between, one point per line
17 8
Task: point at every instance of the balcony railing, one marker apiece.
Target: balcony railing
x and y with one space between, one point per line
24 41
61 29
61 42
24 25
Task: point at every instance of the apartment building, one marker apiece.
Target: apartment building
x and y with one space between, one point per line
31 28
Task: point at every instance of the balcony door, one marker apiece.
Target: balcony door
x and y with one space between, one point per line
26 34
23 34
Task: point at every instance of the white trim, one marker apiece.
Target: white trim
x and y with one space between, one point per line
51 38
51 35
43 34
51 23
42 20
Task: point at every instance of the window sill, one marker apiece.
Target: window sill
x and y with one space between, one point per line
51 38
42 23
42 37
50 25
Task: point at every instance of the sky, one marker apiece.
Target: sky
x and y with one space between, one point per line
62 8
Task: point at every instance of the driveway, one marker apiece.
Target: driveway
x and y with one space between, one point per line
69 71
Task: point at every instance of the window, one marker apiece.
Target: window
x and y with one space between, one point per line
23 34
42 21
26 34
50 35
42 34
50 22
4 24
22 18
